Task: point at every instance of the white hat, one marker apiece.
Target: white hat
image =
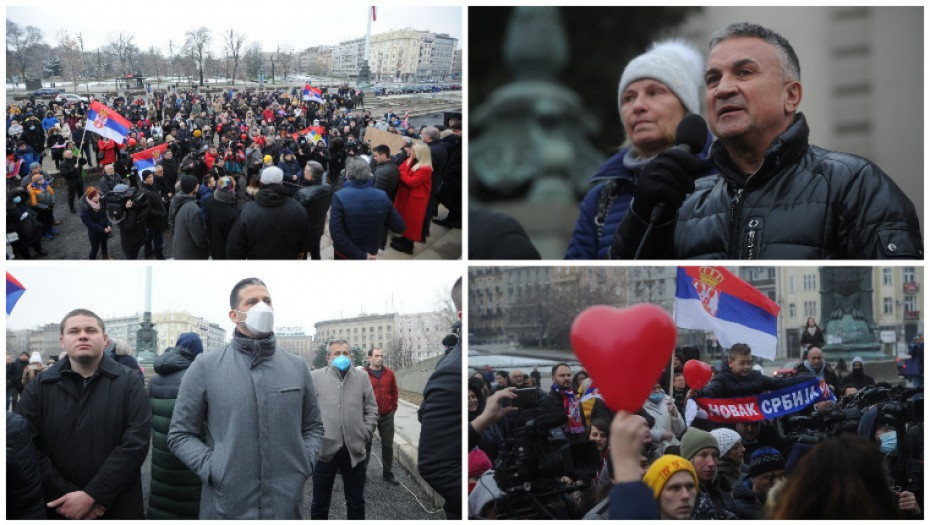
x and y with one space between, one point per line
674 63
272 175
726 438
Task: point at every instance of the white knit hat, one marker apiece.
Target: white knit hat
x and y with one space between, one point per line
726 438
674 63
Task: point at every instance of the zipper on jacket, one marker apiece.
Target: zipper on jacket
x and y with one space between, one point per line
734 224
753 237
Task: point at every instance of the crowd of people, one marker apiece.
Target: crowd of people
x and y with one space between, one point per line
843 458
235 166
236 431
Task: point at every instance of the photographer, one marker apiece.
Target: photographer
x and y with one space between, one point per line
128 208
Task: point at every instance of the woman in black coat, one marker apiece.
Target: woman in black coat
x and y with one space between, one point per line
94 217
812 335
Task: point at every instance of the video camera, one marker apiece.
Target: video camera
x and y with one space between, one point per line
531 468
115 202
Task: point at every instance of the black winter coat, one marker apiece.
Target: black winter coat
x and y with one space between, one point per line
175 490
440 448
273 226
727 384
747 506
316 199
387 178
170 168
23 484
93 438
804 202
221 216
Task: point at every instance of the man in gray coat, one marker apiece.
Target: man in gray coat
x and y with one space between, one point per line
190 234
350 414
247 420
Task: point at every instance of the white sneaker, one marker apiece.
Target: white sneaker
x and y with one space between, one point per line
380 253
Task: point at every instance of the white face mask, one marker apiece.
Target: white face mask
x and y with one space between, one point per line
259 320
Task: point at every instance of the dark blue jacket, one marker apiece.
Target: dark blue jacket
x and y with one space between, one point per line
96 221
356 218
633 501
586 243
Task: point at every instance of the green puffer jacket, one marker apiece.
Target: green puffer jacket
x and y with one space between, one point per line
175 490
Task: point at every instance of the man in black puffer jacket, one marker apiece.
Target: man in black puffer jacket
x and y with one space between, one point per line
316 198
23 484
175 490
777 196
273 226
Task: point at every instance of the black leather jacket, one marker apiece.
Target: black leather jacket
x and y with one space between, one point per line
804 202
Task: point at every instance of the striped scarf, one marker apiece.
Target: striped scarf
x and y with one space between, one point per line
572 409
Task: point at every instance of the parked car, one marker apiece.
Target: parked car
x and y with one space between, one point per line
46 92
474 339
70 98
787 370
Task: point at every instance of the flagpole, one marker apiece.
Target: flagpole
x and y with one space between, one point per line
81 148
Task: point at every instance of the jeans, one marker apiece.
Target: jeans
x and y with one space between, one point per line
353 481
386 431
155 243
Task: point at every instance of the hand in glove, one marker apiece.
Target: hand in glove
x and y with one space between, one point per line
666 179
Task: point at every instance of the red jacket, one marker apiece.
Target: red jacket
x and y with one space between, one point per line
413 197
385 390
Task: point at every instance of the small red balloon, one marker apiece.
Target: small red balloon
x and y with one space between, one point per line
624 350
697 373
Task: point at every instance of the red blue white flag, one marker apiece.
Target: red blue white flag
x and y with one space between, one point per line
148 158
713 299
106 122
313 94
14 290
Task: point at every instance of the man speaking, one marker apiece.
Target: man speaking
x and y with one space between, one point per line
777 196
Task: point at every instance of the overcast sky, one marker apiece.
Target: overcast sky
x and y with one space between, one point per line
302 293
269 23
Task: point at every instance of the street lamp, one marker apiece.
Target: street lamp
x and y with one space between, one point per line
83 69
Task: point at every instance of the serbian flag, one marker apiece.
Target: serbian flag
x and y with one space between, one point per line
14 290
148 158
106 122
314 134
711 298
313 94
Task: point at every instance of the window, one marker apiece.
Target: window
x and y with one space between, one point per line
886 276
910 274
792 310
887 305
910 303
791 286
810 308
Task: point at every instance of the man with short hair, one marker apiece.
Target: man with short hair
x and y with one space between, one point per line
816 366
261 409
561 399
316 199
91 424
777 196
350 414
359 214
385 386
190 234
517 378
14 378
740 379
70 170
273 226
702 450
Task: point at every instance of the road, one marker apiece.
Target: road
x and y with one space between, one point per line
383 501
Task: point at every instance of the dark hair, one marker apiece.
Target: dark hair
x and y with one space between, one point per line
790 65
234 295
556 367
339 341
80 311
477 386
381 149
738 349
457 294
841 478
601 424
373 350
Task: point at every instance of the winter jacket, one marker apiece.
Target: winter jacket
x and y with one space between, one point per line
108 148
804 202
222 213
273 226
805 373
265 430
316 200
349 409
175 490
728 384
633 500
859 382
170 167
23 483
439 460
357 218
553 404
93 438
387 178
95 221
815 339
385 388
664 422
157 218
190 235
132 228
747 505
69 170
412 198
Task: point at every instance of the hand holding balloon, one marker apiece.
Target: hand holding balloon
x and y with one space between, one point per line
624 350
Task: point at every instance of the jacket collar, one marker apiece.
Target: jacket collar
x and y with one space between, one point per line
781 153
107 367
257 349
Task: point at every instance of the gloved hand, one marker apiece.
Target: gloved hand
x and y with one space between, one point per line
82 162
668 179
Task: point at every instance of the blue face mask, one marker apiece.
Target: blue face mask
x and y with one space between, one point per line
342 363
17 200
655 398
890 443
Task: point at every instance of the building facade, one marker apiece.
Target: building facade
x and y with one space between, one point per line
405 339
405 55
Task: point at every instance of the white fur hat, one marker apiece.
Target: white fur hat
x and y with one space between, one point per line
674 63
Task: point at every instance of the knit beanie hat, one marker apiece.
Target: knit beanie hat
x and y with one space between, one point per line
726 438
765 459
188 183
674 63
35 358
272 175
859 360
478 463
663 469
694 440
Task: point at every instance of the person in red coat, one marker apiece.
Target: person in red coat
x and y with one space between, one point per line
385 386
109 148
416 183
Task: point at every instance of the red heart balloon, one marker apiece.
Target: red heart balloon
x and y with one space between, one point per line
697 373
624 350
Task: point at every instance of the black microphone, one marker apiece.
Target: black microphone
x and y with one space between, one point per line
690 137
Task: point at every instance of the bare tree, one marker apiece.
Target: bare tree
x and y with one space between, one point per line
274 58
70 52
233 43
196 44
156 63
402 354
253 60
21 44
286 56
124 51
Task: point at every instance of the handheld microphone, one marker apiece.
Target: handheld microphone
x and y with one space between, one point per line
690 137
